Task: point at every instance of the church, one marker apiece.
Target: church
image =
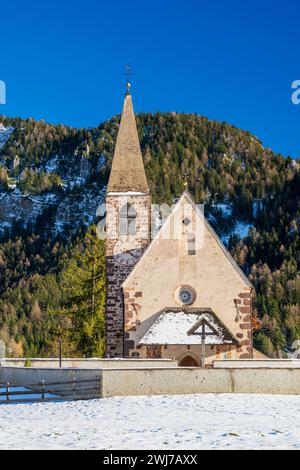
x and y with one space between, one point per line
172 288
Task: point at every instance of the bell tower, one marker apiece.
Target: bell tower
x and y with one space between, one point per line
128 206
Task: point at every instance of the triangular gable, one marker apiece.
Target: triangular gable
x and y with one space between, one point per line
198 328
214 323
186 196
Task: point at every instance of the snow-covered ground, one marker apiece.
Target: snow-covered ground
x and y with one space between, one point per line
155 422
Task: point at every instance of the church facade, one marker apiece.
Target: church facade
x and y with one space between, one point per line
173 290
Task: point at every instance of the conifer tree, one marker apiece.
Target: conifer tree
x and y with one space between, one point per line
83 283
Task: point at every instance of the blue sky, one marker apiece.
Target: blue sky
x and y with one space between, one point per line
63 61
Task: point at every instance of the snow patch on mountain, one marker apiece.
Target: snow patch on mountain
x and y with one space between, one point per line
52 164
241 229
5 133
24 209
257 207
78 209
62 211
224 208
101 162
69 211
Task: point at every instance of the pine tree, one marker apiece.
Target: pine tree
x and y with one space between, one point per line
83 283
264 344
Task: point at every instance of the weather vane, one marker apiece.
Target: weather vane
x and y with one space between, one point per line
128 73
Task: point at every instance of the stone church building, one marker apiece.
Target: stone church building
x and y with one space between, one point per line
173 290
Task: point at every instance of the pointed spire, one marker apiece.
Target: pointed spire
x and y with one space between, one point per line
127 171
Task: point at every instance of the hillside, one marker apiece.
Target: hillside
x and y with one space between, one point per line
52 179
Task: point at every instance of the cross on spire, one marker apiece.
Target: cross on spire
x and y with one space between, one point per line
128 73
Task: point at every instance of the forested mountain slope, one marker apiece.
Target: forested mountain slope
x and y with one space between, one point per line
52 179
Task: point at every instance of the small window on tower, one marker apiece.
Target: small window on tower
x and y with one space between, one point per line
191 245
186 221
127 220
160 219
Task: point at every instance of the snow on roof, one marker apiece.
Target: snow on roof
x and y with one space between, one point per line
172 327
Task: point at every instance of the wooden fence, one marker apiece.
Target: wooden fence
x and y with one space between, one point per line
51 391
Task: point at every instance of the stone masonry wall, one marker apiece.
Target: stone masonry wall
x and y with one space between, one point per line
244 312
116 273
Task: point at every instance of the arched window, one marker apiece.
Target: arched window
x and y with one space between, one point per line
127 220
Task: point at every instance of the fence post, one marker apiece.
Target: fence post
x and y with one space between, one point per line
7 391
43 389
74 388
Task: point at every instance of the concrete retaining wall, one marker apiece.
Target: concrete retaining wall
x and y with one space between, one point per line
256 363
166 381
28 375
93 363
194 380
272 381
32 377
